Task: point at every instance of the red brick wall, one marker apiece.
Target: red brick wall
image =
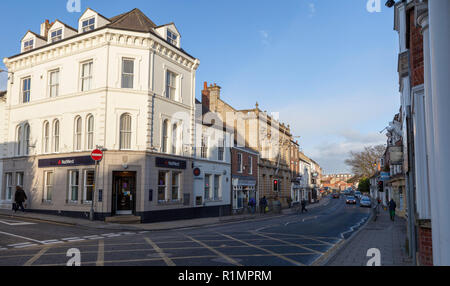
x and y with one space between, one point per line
416 52
245 162
425 247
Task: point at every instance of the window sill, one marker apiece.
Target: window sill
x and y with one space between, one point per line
170 203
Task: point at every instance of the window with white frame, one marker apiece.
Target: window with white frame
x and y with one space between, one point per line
127 73
162 185
19 179
221 151
239 162
77 135
204 147
56 136
74 178
125 132
165 136
176 186
171 85
207 189
46 137
172 38
250 165
53 83
90 132
8 185
217 179
26 89
26 134
19 137
56 35
48 185
28 45
175 139
86 75
88 25
88 186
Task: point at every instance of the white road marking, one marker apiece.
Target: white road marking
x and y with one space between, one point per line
52 241
19 236
353 227
15 223
19 244
92 237
23 246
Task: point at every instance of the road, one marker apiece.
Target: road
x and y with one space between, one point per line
285 240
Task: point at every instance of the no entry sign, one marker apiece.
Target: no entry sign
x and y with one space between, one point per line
97 155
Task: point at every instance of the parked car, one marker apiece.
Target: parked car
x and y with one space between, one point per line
358 194
365 202
336 195
350 200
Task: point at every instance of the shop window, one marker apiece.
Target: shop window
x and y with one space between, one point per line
162 186
48 186
88 191
73 185
175 186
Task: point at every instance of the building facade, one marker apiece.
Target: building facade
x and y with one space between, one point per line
123 84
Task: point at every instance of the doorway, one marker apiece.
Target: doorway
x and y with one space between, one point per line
124 193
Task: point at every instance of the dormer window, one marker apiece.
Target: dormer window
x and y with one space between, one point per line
28 45
56 36
88 25
172 38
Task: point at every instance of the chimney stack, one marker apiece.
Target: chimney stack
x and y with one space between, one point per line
44 28
215 90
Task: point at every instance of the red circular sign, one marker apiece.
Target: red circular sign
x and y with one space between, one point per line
97 155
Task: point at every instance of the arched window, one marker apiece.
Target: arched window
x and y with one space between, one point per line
19 140
26 136
175 139
165 136
125 132
90 132
45 137
56 136
77 135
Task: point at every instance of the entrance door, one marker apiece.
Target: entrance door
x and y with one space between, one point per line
124 193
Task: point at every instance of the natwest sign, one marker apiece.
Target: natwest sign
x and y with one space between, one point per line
66 162
170 163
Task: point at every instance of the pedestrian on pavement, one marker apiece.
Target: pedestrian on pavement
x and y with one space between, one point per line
19 199
262 205
252 205
304 206
392 207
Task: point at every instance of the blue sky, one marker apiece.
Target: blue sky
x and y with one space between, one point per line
328 67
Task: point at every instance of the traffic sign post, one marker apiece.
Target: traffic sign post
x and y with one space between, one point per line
97 156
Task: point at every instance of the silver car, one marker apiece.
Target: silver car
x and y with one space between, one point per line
365 202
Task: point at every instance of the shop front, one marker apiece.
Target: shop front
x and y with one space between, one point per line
244 189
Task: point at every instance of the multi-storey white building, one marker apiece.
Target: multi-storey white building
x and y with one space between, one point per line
123 84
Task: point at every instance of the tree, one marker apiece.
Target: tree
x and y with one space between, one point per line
364 185
364 163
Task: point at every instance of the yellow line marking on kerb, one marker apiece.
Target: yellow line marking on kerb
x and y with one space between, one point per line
166 259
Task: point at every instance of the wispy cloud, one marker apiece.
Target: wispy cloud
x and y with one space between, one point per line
264 37
312 9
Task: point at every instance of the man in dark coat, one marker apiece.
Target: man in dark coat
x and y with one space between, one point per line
304 206
392 207
19 198
262 205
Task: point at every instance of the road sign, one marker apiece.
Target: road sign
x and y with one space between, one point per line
97 155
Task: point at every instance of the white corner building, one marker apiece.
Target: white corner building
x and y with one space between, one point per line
122 84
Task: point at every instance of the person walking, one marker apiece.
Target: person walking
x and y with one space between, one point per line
252 204
304 206
392 207
19 199
263 205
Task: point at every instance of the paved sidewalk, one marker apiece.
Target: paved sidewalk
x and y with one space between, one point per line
389 237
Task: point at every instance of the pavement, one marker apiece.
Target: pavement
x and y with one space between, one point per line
158 226
383 234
